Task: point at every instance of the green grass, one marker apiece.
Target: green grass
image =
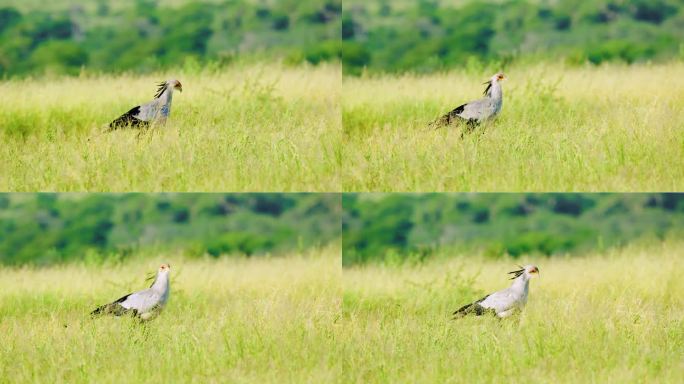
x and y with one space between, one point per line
245 320
612 317
262 128
608 128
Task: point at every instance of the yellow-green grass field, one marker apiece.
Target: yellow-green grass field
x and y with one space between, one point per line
246 320
607 128
614 317
242 128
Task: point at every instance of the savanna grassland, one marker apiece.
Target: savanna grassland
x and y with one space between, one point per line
241 128
609 128
227 320
609 317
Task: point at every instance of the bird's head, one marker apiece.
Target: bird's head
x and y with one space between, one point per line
498 77
529 271
164 268
170 85
494 79
175 84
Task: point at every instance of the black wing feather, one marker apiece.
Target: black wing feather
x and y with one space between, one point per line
449 117
112 308
474 307
128 119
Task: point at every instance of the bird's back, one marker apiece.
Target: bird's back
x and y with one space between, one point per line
144 301
505 300
481 109
150 111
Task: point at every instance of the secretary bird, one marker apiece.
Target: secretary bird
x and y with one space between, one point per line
157 110
477 111
145 304
505 302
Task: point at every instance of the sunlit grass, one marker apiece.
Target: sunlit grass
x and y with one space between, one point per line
611 317
244 128
247 320
608 128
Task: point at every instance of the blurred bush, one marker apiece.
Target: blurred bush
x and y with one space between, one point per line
388 228
52 228
144 35
432 35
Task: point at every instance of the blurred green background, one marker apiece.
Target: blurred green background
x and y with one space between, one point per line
414 227
64 36
431 35
43 229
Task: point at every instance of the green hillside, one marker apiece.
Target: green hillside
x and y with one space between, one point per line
145 35
391 227
52 228
430 35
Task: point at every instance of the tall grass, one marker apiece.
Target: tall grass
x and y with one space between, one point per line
258 128
247 320
608 128
611 317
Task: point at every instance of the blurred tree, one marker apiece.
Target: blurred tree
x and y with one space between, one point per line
146 35
426 35
52 228
8 17
399 226
59 57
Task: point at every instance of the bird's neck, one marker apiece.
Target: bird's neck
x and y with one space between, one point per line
165 99
161 283
166 96
521 283
495 91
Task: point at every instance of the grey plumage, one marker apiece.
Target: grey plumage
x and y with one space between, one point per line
477 111
505 302
144 304
156 111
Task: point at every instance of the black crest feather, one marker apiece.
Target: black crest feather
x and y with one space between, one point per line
151 276
517 273
162 87
489 85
